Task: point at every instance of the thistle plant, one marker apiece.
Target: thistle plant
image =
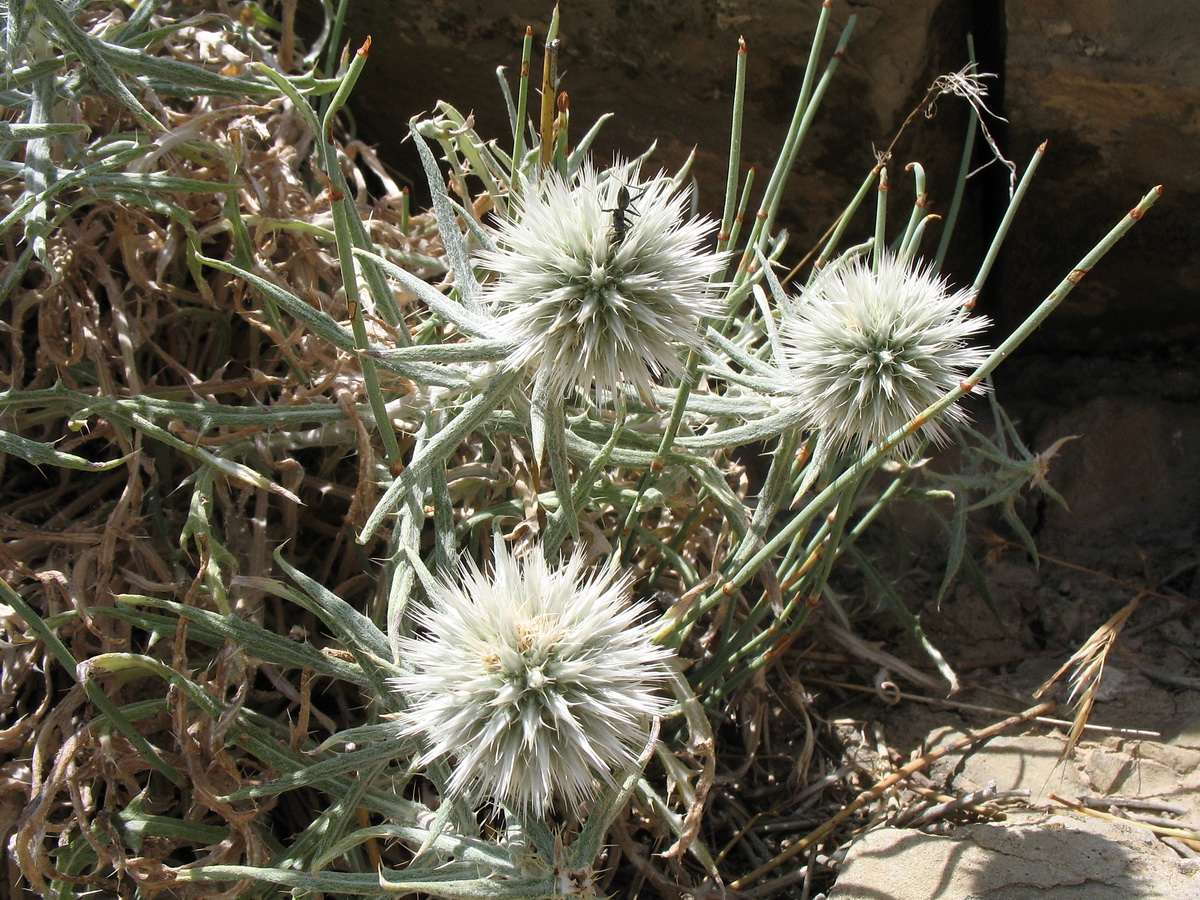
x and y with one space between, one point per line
869 346
587 321
539 682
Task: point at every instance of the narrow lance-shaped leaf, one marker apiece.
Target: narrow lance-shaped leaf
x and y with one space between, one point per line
41 454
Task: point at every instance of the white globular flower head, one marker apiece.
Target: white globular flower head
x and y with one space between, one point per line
537 682
868 350
602 281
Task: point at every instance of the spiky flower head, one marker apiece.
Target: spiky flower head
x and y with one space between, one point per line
869 350
536 681
602 281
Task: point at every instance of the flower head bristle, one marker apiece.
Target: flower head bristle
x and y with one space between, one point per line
537 681
868 350
602 282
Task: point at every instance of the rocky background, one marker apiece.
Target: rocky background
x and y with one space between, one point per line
1113 86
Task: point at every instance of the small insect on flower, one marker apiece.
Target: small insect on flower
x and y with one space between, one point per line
588 299
868 350
538 682
621 213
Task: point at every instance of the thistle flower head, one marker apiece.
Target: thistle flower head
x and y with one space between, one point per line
539 682
869 350
603 281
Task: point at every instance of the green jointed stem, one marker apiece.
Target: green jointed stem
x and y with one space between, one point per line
989 259
910 249
522 109
332 48
802 119
773 495
810 68
880 220
353 234
740 216
835 237
549 77
828 545
346 85
918 211
724 237
1052 301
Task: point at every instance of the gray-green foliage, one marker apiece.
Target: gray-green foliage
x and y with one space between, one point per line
445 443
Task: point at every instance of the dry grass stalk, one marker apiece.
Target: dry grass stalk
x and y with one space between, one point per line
1087 664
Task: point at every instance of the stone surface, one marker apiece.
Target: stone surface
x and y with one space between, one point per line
1115 87
1013 859
1015 763
1113 767
1132 479
1029 857
1133 469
